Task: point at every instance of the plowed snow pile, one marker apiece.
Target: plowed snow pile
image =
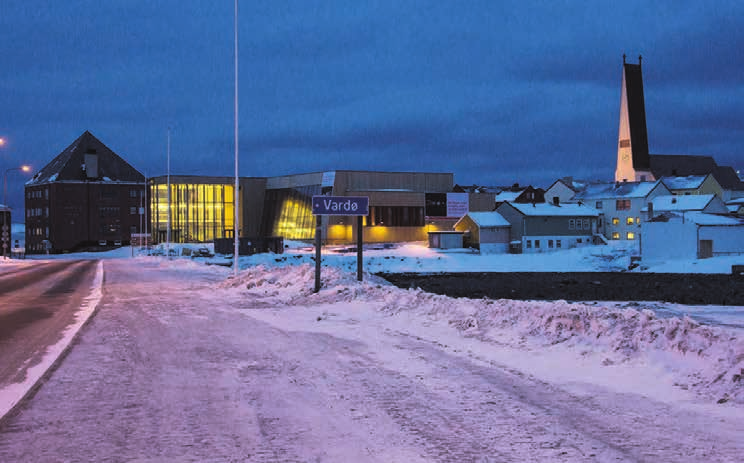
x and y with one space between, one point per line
706 360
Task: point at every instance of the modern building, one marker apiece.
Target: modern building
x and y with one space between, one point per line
403 206
85 198
635 164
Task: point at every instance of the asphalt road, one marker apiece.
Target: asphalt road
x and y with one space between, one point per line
37 303
173 369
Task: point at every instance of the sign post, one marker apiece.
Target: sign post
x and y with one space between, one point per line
339 205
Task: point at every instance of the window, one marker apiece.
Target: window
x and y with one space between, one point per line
630 235
586 224
550 244
529 244
615 235
537 244
629 221
396 216
615 221
578 240
132 210
578 224
132 193
622 204
599 222
638 220
598 205
557 243
571 224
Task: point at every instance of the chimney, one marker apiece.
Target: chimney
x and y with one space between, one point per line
556 201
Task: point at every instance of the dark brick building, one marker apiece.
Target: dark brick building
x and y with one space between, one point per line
86 198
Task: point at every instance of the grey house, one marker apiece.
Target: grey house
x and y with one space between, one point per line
545 227
486 231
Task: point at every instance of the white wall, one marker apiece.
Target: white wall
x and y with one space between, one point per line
668 240
494 248
725 239
567 242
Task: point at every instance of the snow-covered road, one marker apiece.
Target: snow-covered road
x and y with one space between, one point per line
180 364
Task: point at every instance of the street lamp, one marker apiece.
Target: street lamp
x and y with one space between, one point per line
5 179
6 226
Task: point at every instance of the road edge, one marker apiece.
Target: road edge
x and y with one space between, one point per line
14 394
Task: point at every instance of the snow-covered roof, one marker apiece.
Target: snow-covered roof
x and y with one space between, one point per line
508 196
682 203
706 219
488 219
549 210
684 183
617 190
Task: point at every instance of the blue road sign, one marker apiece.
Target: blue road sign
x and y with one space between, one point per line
340 205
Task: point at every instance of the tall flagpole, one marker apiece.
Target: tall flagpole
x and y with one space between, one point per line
236 254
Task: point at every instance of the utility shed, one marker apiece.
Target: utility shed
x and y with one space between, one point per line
691 235
486 231
445 239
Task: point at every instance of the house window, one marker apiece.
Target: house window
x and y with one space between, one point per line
132 210
537 244
622 204
586 224
599 222
615 235
571 224
615 221
630 235
557 243
529 244
132 193
578 240
598 205
638 220
629 221
550 244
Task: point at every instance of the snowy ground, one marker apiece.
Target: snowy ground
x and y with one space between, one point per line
365 371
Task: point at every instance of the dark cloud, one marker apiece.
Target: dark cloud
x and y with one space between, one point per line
495 92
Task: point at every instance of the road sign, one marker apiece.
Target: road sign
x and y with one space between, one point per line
340 205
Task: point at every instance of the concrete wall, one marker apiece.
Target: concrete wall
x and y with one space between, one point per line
726 240
668 240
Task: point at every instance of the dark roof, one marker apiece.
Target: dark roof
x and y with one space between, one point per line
636 115
69 165
675 165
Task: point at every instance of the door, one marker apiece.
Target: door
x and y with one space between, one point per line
706 249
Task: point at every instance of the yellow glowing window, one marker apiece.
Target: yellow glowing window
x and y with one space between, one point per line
615 221
631 235
615 235
629 221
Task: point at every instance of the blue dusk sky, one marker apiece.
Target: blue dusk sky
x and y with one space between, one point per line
496 92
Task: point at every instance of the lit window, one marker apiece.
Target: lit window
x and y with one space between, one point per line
630 235
638 220
629 221
615 235
615 221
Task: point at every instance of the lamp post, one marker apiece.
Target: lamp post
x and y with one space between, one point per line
5 179
6 226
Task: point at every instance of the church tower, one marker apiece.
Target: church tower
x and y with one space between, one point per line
633 161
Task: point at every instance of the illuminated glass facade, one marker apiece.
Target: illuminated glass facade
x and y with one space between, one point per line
200 211
288 212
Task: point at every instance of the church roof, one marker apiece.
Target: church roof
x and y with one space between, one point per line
69 165
616 190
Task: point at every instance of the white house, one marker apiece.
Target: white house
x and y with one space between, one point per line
561 191
620 205
709 203
691 235
487 231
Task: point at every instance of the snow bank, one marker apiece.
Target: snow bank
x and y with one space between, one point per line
706 360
